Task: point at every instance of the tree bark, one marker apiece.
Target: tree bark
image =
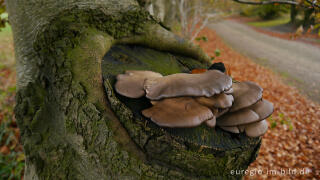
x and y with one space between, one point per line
73 125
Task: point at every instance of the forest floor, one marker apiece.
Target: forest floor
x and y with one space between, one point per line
291 147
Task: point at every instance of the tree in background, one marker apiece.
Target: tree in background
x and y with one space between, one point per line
311 10
191 16
3 20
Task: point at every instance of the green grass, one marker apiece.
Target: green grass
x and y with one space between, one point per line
6 31
270 23
6 48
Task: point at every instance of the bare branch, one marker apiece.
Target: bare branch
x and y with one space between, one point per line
313 3
267 2
204 23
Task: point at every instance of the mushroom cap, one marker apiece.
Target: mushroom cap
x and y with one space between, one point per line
131 83
263 108
254 113
243 116
221 100
211 122
256 129
182 84
178 112
245 94
232 129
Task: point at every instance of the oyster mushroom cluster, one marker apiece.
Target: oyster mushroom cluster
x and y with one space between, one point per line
188 100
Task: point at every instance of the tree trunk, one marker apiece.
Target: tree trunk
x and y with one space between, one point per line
293 14
73 125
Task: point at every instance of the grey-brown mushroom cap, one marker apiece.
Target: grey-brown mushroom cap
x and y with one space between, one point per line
131 83
245 94
182 84
243 116
263 108
256 129
178 112
211 122
221 100
232 129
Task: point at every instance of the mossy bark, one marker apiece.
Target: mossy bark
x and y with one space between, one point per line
73 125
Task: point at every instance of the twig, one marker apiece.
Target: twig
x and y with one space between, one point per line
267 2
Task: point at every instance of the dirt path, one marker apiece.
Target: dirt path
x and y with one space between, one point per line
298 62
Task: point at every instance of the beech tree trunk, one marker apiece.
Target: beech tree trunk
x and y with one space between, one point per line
74 126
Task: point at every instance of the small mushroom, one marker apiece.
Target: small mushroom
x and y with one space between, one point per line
232 129
178 112
250 119
263 108
217 101
245 94
241 117
211 122
131 83
256 129
182 84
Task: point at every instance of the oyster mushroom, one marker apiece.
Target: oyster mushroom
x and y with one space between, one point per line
251 120
211 122
245 94
178 112
257 112
256 129
131 83
263 108
188 100
232 129
241 117
182 84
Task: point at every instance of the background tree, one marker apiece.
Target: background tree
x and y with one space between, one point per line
3 20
